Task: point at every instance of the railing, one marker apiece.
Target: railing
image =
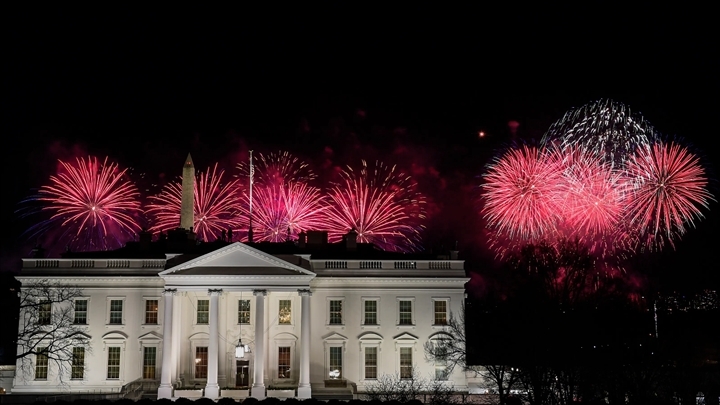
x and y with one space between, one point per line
132 390
336 264
405 265
371 265
439 265
118 264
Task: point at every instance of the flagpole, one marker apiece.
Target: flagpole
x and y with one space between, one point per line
252 175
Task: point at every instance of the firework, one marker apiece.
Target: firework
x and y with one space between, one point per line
592 199
521 193
216 209
280 212
278 168
668 189
380 204
606 128
94 205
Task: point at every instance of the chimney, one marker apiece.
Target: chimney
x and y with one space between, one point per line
350 239
454 253
302 239
145 239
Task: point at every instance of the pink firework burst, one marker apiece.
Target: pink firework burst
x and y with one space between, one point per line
380 204
93 203
592 199
277 168
216 208
280 212
522 193
668 190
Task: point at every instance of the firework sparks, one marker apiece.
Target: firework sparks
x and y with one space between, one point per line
217 207
521 194
606 128
380 204
592 198
93 203
277 168
280 212
668 191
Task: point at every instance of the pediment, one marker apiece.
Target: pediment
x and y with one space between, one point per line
114 335
405 337
150 336
237 259
370 337
335 337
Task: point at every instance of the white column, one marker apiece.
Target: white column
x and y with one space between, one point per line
177 358
258 387
212 389
166 389
304 390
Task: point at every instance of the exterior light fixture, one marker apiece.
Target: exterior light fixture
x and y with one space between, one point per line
241 349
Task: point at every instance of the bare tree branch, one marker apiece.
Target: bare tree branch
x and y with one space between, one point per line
47 328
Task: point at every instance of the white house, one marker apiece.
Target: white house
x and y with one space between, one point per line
313 317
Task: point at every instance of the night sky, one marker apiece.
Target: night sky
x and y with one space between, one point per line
408 86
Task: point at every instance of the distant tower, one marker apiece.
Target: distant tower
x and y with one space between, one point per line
187 213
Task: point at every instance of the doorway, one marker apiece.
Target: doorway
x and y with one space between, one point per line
242 376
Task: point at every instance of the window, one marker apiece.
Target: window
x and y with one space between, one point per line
116 312
405 312
44 312
284 362
440 307
370 363
336 312
406 364
113 362
201 362
81 308
77 371
151 312
244 312
203 312
336 361
440 361
41 364
285 312
149 361
370 307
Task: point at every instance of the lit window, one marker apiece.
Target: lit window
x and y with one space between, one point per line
244 311
44 313
149 361
284 362
113 363
440 312
285 312
370 363
203 312
78 363
405 312
151 312
336 312
336 361
116 312
41 364
201 362
81 308
406 364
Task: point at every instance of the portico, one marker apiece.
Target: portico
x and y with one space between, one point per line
216 295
